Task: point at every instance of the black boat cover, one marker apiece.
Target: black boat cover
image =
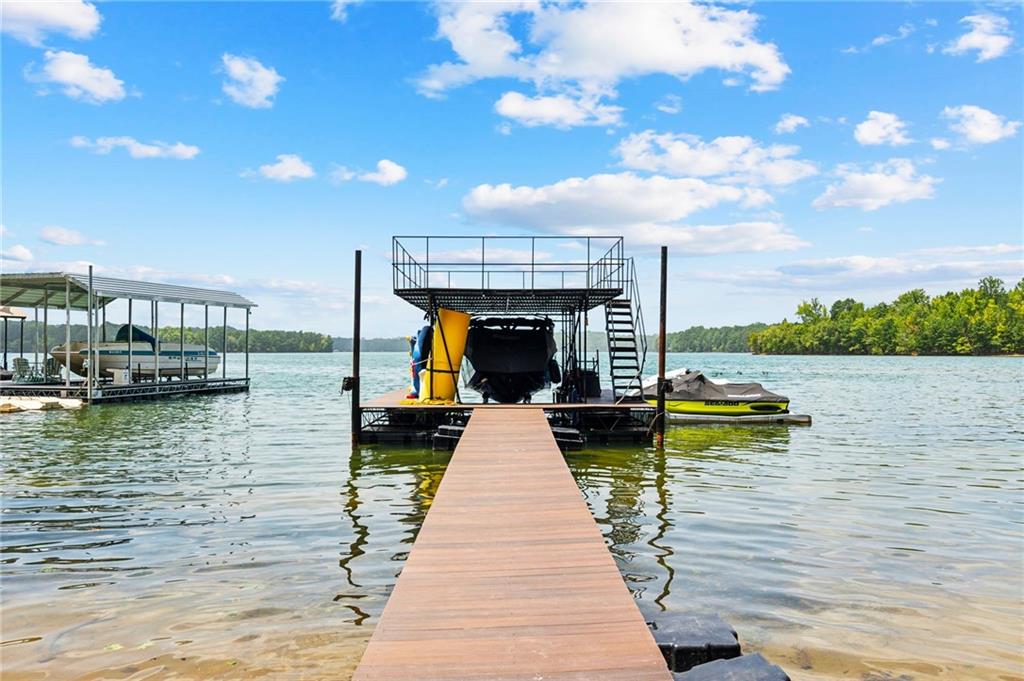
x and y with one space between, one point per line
136 333
695 386
511 357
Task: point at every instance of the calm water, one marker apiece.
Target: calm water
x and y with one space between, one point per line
239 535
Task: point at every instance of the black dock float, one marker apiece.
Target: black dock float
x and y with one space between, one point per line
687 641
746 668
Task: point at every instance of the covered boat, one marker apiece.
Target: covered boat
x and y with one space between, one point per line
512 357
113 356
694 393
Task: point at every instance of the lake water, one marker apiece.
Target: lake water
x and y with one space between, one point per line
238 536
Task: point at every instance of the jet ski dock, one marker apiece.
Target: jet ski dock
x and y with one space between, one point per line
96 360
518 310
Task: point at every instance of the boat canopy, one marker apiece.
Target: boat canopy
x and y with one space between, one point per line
695 386
132 334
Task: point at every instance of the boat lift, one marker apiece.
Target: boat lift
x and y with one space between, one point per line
74 292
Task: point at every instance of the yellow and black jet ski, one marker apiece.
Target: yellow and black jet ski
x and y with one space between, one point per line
691 392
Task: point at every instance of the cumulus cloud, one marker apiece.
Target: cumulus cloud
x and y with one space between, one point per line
17 253
137 149
790 123
882 128
387 173
976 125
560 111
989 36
77 77
339 9
733 159
939 143
582 51
288 167
31 21
602 201
62 236
249 82
895 181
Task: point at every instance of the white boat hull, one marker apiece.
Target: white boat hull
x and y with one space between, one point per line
114 357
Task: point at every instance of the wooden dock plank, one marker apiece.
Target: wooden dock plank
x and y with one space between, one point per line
509 577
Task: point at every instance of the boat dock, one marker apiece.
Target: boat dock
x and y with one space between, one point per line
145 370
509 576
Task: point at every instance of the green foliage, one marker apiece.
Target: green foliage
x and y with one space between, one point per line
987 320
715 339
259 341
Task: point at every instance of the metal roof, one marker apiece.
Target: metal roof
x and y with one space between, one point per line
33 289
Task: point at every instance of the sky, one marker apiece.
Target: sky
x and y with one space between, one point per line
780 150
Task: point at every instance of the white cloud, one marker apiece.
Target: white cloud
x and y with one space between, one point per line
602 201
939 143
387 173
989 35
902 32
62 236
561 111
504 128
583 50
976 125
339 9
882 128
77 77
789 123
992 249
249 82
136 149
895 181
288 167
733 159
31 21
440 183
670 104
859 272
18 253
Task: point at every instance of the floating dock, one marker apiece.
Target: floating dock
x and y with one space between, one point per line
509 576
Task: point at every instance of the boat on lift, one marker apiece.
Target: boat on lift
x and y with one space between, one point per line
692 392
113 356
512 357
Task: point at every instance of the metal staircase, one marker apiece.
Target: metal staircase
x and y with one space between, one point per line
627 340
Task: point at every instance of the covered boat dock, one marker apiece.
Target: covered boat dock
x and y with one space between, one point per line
50 374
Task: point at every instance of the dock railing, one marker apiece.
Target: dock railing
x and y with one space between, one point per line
509 262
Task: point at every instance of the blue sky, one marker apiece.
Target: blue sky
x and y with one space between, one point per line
780 150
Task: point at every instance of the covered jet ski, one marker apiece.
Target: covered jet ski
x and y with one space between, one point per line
512 358
694 393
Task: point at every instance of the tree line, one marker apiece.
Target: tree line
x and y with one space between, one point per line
259 340
987 320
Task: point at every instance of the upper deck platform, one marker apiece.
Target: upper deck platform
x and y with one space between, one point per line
509 275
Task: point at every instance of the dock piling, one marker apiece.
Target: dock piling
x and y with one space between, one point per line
357 295
660 422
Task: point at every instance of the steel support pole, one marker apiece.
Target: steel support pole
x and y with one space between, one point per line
206 342
660 433
103 324
156 339
224 341
247 311
91 370
357 288
131 344
181 342
5 342
46 324
67 332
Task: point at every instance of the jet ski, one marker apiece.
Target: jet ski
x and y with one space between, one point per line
694 393
512 357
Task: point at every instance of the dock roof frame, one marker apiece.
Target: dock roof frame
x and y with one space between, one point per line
33 289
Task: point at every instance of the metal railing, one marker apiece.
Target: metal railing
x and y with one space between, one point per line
632 293
516 262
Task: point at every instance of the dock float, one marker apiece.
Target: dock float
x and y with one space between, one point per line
509 577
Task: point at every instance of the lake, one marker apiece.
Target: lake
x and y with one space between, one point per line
239 535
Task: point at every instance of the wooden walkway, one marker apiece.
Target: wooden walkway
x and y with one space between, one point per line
509 577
